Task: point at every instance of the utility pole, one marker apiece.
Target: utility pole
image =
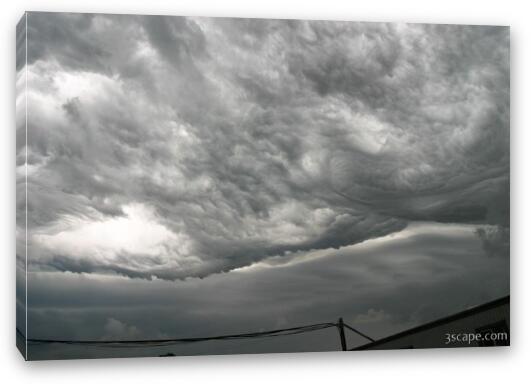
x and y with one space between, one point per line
342 334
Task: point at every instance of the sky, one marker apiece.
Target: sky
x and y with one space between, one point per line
192 176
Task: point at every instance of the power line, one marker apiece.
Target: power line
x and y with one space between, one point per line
358 332
168 342
164 342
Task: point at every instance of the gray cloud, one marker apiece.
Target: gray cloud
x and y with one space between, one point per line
495 240
231 141
381 286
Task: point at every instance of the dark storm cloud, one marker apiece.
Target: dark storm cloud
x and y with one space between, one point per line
380 287
65 38
178 39
221 142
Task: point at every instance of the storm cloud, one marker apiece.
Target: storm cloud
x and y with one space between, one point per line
380 286
193 177
177 147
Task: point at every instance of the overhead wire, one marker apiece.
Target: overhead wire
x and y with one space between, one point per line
174 341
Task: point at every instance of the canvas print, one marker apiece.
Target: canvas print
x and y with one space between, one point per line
204 186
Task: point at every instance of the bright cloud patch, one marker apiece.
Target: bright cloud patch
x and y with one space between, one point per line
136 241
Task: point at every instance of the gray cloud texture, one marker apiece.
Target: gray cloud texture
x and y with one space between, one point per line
176 147
381 286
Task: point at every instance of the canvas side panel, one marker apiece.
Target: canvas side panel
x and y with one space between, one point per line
21 178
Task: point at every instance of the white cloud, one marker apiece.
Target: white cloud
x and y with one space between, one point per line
105 240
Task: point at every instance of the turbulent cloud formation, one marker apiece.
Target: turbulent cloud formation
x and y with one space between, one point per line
176 147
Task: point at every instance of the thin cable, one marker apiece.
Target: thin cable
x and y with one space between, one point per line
358 332
165 342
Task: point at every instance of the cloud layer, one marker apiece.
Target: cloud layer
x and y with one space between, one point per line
381 286
175 147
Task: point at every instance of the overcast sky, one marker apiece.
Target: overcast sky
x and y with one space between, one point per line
200 176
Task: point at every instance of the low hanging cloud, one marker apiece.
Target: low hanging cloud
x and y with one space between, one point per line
117 330
177 147
495 240
379 287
